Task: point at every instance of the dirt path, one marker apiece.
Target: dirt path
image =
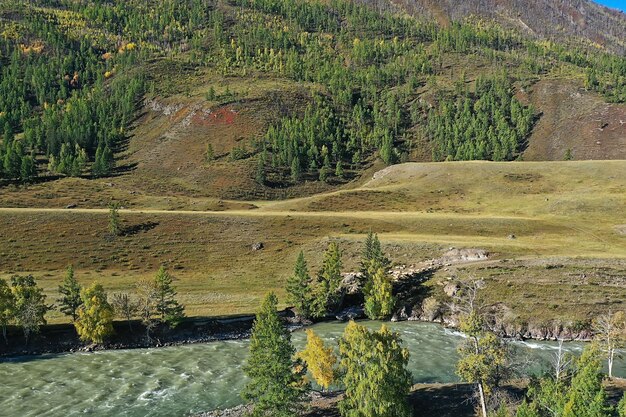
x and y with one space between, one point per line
266 213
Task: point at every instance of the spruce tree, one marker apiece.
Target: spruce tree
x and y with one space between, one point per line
209 154
115 224
70 294
260 176
275 388
169 310
296 170
372 257
586 396
328 292
339 170
28 171
379 300
372 251
299 288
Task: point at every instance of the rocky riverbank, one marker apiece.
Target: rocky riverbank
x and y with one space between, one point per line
63 338
413 304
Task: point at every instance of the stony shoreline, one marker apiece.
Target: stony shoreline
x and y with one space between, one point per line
63 339
411 306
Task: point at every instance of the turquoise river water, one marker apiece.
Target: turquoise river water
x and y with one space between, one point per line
182 380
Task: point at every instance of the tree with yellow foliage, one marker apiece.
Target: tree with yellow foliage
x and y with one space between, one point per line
320 360
95 316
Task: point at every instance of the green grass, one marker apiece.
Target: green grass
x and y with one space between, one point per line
562 210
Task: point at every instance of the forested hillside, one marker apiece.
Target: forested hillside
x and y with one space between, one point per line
569 21
379 85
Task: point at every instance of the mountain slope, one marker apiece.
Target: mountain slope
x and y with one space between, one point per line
564 20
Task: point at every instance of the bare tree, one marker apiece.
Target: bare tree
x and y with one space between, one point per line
147 295
561 362
125 307
610 332
466 300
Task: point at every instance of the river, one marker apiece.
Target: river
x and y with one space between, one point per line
180 380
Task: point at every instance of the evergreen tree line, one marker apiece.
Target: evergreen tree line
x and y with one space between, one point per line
371 366
71 78
324 295
61 97
92 311
486 123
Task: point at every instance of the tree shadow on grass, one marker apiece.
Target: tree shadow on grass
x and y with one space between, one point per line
138 228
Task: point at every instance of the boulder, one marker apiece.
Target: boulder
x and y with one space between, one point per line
351 282
451 289
351 313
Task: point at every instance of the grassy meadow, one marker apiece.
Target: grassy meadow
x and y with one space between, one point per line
530 216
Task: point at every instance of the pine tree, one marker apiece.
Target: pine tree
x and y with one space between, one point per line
79 163
374 368
104 161
328 292
28 171
209 154
621 407
339 170
379 300
275 388
296 170
97 167
108 161
586 396
7 307
323 176
260 176
95 316
372 251
70 292
386 150
12 160
8 134
170 311
115 224
320 360
527 410
299 288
